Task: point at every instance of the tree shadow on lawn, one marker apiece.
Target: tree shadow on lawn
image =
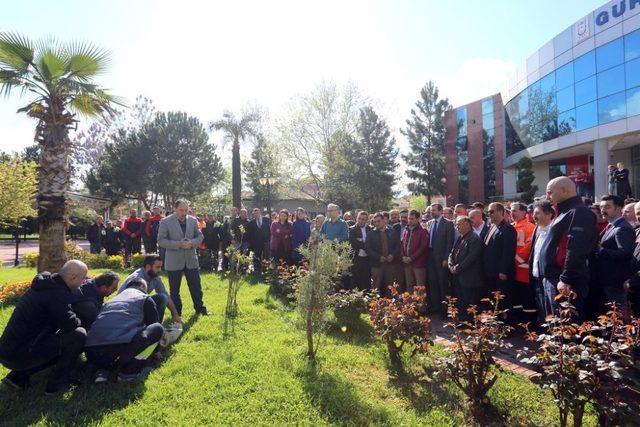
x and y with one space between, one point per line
337 399
358 332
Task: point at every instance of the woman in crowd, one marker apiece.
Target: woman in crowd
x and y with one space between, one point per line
317 223
300 232
280 243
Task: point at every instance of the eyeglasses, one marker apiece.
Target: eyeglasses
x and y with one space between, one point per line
491 211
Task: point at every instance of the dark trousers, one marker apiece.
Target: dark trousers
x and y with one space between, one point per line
95 247
551 290
361 273
225 258
437 285
61 350
504 287
523 302
150 245
161 301
123 356
257 258
467 296
195 288
132 246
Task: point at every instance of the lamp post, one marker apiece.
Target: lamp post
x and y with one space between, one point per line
268 181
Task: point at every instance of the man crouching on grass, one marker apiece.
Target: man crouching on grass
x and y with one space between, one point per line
125 334
43 330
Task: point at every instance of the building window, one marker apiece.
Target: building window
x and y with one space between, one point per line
566 122
632 46
612 108
557 168
461 115
633 102
586 116
586 91
489 163
463 156
610 55
565 99
585 66
611 81
632 71
564 76
487 106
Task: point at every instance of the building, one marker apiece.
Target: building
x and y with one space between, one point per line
574 105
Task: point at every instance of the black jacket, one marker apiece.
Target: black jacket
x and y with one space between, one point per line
500 252
212 235
373 246
259 236
94 233
571 238
356 239
43 310
613 255
466 255
87 303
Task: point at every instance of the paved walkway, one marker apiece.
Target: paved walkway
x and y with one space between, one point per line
8 250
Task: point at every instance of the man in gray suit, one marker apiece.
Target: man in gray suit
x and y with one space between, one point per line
441 236
465 265
179 234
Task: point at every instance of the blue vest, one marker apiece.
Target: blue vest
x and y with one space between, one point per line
119 320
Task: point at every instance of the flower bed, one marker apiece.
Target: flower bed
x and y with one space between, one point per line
11 292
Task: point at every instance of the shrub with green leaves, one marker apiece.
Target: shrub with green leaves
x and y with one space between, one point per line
31 260
328 261
348 305
398 322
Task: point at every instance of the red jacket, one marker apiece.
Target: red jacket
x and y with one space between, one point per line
132 227
417 248
150 222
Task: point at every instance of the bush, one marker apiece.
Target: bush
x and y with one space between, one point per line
586 363
73 251
349 305
471 359
31 260
397 321
281 278
137 260
112 262
11 292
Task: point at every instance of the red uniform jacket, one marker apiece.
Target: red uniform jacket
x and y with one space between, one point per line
416 247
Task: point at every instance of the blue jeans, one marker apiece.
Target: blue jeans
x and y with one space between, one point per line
195 288
161 301
546 293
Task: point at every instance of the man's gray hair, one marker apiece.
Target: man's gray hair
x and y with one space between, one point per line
73 268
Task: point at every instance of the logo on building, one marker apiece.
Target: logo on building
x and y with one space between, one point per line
581 30
618 8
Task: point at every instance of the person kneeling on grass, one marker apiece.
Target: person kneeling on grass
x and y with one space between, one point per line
125 334
43 330
150 273
91 294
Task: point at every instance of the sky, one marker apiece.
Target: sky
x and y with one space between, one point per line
203 57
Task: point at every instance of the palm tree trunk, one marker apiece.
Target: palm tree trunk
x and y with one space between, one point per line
236 179
53 184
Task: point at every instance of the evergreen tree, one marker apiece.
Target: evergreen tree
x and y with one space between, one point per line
426 132
263 164
363 173
524 166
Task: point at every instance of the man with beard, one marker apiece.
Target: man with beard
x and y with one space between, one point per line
150 272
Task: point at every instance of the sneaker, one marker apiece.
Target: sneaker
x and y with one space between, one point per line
16 380
203 312
102 376
132 377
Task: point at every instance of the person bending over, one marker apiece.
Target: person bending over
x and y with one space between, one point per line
43 330
125 333
91 294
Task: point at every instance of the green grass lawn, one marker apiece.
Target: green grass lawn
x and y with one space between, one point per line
258 376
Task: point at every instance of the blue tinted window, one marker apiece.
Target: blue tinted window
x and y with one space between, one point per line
487 121
565 99
611 81
586 116
487 106
633 73
566 122
612 108
633 102
523 103
462 121
548 83
610 55
632 46
584 66
564 76
586 90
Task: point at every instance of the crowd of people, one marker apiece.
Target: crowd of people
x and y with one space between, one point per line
560 246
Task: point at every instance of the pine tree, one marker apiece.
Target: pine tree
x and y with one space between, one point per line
426 132
524 166
363 174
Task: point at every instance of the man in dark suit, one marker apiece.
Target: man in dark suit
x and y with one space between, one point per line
612 257
361 268
465 265
441 238
258 234
499 254
383 247
478 223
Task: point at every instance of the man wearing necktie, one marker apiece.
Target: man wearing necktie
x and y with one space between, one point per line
441 237
612 257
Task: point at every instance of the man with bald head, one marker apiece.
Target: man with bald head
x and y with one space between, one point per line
43 330
570 240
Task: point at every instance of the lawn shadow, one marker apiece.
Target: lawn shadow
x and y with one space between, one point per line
353 331
168 352
338 400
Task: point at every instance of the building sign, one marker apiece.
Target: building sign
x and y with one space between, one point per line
617 9
581 30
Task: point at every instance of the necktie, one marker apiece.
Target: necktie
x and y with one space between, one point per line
434 229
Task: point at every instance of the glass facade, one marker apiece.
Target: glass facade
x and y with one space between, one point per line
463 156
488 149
597 88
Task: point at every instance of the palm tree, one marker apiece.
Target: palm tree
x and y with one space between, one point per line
59 79
236 130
